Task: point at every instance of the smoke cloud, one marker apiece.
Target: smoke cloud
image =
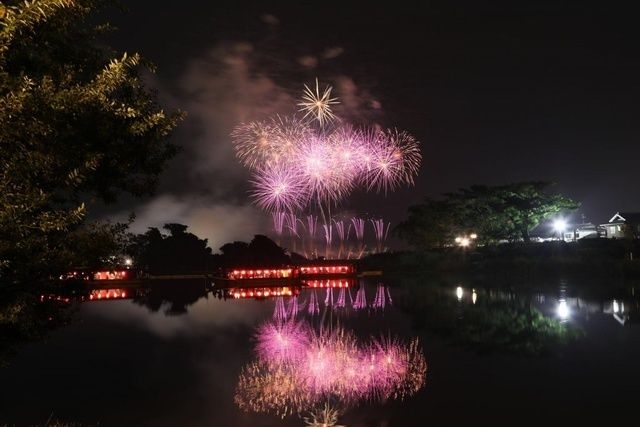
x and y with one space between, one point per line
205 187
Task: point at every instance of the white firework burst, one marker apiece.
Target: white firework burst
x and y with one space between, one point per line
318 105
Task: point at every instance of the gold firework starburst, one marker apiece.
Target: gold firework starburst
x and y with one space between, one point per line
317 105
323 417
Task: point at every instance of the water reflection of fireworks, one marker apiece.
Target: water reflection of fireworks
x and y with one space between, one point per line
299 368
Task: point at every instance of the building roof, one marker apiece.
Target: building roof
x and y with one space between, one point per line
628 217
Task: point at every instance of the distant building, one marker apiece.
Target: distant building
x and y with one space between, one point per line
623 224
585 231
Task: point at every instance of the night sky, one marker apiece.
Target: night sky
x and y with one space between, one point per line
496 93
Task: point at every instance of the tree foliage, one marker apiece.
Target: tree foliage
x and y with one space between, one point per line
260 252
77 124
507 212
179 251
176 252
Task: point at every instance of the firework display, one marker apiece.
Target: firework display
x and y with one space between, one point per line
317 160
299 367
323 167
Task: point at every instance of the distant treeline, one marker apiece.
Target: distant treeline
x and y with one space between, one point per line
588 260
182 252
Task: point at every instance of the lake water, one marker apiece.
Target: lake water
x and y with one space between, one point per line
182 355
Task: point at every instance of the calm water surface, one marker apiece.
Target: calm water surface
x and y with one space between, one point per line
174 355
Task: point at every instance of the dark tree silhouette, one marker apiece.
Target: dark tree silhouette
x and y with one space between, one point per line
260 252
178 252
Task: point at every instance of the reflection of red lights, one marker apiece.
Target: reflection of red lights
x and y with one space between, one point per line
93 295
53 297
329 283
327 269
280 273
114 293
264 292
110 275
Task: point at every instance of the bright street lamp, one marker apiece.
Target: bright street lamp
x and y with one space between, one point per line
465 241
559 225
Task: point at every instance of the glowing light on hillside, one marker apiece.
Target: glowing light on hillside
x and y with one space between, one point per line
559 225
563 309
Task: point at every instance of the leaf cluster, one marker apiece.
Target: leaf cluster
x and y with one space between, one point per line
77 124
495 213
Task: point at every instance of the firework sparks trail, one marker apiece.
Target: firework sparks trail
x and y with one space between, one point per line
361 299
328 236
380 232
312 227
313 307
341 298
294 307
380 299
280 313
292 224
328 299
317 105
292 221
347 237
340 230
278 222
358 228
342 234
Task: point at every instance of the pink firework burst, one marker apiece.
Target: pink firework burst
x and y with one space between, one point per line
288 133
330 354
328 363
254 143
389 359
395 160
347 150
322 179
278 189
263 144
284 341
297 163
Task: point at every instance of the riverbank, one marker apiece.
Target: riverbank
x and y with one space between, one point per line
607 260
